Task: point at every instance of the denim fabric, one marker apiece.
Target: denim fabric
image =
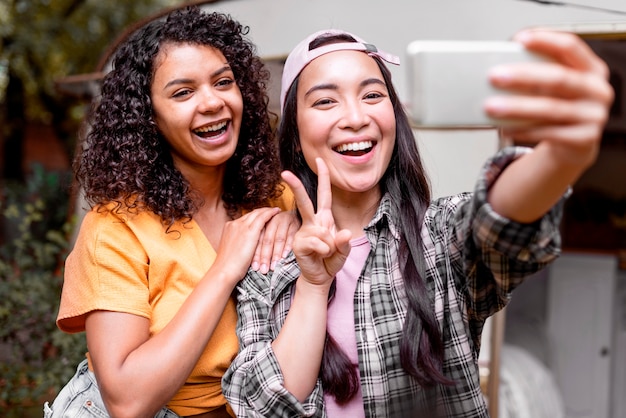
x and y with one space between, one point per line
80 398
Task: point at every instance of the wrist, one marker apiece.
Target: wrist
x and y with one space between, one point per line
305 287
574 158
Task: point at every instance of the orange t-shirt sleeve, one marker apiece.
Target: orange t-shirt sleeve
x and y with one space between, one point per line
106 270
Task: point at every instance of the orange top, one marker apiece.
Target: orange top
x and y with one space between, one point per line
128 263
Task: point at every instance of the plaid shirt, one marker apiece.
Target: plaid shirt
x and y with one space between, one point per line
473 259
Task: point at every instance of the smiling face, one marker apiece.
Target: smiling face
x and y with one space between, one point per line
197 106
346 117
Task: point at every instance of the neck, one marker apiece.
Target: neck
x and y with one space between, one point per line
353 211
207 183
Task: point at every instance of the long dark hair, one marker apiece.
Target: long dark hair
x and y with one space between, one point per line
127 161
407 185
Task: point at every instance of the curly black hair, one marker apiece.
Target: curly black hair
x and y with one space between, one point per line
126 160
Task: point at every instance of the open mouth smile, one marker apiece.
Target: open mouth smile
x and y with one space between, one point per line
210 131
355 149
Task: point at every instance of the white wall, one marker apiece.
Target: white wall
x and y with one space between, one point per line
452 158
277 25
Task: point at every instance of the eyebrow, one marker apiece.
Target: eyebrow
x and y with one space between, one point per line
332 86
216 73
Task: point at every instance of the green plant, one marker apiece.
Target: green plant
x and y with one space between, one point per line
36 358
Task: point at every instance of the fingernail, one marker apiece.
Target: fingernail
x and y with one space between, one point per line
496 105
500 73
286 253
264 268
273 265
523 36
255 266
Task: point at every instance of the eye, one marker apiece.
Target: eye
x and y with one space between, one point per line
178 94
324 102
224 82
374 95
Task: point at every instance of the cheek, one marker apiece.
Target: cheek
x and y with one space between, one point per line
313 128
166 115
159 122
387 125
313 141
387 122
313 144
310 150
391 131
235 102
157 113
168 126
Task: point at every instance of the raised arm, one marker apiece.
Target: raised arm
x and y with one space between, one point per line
566 103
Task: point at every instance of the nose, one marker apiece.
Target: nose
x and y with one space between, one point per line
209 101
354 115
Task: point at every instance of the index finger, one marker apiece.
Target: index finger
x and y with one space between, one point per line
566 47
324 194
305 206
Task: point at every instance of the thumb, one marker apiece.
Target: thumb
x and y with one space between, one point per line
342 241
342 246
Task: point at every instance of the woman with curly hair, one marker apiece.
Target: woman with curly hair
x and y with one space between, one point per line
181 170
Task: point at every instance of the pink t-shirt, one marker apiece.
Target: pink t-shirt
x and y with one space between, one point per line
340 323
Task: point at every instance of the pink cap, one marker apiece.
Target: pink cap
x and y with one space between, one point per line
301 56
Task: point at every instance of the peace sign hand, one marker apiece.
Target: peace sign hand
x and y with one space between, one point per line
320 249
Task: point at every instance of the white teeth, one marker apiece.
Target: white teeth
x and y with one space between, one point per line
211 128
354 146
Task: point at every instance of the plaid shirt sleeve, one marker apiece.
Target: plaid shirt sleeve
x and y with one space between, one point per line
253 384
475 258
500 253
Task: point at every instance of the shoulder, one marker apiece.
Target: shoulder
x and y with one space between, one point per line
449 203
104 229
272 286
110 217
286 199
444 209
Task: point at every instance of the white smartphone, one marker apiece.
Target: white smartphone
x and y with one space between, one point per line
448 82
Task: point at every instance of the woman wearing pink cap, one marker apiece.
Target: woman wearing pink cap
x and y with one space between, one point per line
378 311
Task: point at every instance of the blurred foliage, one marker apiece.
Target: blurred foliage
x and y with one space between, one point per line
40 42
36 358
43 40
